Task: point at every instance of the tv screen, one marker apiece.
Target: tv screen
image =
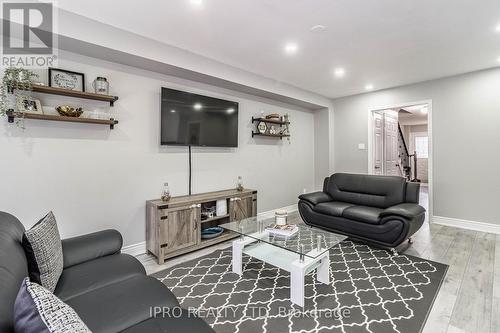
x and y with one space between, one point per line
196 120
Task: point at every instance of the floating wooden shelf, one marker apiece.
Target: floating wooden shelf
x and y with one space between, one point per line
72 93
11 115
270 121
282 123
281 136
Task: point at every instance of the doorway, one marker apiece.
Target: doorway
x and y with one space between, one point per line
400 145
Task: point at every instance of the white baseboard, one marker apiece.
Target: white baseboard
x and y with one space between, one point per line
270 213
135 249
466 224
140 248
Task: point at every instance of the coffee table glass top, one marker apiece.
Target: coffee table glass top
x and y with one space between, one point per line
304 242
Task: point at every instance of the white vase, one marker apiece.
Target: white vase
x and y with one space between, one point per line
221 207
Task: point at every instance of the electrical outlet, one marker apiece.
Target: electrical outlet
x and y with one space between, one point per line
304 191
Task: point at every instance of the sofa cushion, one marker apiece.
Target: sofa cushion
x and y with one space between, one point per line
367 190
178 322
123 304
43 248
38 310
91 275
388 234
363 214
334 208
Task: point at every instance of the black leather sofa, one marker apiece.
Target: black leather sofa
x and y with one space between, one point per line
382 210
109 290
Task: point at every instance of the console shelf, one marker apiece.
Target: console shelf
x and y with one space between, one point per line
215 218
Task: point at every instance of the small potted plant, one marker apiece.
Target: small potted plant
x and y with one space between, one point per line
14 78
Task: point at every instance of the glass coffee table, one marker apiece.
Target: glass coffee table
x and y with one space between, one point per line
302 253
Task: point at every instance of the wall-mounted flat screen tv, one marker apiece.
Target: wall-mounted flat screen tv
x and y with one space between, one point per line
195 120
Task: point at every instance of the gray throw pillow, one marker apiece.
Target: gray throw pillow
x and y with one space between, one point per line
38 310
43 248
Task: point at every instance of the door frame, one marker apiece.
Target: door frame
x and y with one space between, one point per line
431 142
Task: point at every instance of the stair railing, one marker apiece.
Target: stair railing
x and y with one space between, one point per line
415 169
404 155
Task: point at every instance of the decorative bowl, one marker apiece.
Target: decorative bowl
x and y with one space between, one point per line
69 111
211 232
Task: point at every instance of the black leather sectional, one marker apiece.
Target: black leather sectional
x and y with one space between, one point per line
382 210
109 290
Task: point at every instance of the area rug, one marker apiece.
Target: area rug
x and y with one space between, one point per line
371 290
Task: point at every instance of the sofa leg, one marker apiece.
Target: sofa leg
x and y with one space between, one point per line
394 252
410 240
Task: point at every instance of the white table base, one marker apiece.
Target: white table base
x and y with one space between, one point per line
286 260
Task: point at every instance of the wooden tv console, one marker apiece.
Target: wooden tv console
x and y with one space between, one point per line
174 227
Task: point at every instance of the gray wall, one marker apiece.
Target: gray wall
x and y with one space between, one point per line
322 146
94 178
465 133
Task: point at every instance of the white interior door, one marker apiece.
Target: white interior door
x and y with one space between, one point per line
391 165
378 143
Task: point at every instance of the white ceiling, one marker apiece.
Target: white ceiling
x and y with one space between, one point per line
386 43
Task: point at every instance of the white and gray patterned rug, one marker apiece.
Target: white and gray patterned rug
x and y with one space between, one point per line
371 291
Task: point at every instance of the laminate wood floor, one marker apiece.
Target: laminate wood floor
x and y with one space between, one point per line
469 299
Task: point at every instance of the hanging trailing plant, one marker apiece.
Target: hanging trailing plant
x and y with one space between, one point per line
15 79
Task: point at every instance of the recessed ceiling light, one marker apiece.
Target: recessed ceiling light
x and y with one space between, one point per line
173 111
369 87
196 3
318 28
498 59
497 29
339 72
197 106
291 48
230 110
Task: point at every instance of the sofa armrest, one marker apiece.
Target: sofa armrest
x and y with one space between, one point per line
412 192
78 250
315 197
407 210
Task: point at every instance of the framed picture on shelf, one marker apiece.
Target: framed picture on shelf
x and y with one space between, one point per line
61 78
29 105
